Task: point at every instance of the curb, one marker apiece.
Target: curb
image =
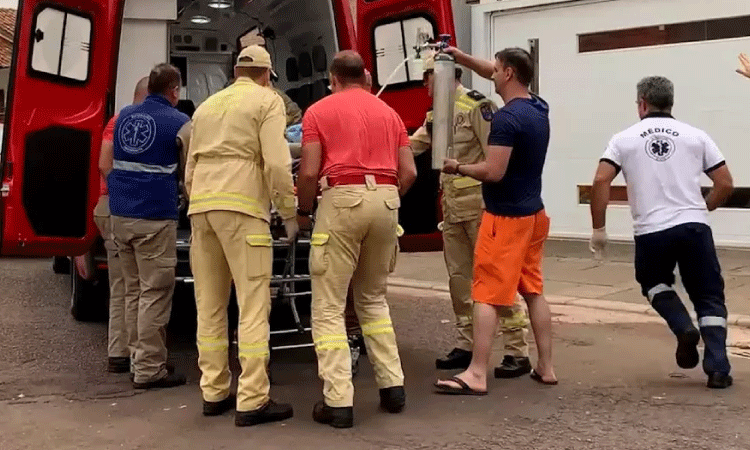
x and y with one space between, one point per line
738 320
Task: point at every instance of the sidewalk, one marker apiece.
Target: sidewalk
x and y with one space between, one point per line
573 277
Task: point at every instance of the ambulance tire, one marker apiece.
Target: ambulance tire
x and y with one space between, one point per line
61 265
88 299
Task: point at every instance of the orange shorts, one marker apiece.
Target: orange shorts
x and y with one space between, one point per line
508 258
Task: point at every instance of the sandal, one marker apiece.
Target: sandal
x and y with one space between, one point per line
538 378
463 390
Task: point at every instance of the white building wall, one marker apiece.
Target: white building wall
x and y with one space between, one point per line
592 95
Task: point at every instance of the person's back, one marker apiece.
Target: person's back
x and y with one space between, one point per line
662 160
231 129
358 132
522 124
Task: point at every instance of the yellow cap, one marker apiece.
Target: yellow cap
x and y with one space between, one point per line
254 56
252 39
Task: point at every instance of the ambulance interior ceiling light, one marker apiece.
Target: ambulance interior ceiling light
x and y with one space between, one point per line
220 4
201 20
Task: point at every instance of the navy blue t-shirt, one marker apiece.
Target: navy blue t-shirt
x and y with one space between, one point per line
522 124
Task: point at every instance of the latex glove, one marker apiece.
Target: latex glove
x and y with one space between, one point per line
598 242
292 228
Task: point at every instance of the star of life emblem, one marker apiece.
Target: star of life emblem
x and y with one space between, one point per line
137 133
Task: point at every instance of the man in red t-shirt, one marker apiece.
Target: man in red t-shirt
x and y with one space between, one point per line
357 147
123 316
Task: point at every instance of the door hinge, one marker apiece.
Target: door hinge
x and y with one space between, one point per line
5 190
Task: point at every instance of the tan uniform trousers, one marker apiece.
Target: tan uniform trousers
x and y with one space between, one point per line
228 246
148 254
122 318
459 240
355 239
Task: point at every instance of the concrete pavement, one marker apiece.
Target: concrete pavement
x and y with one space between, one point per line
572 276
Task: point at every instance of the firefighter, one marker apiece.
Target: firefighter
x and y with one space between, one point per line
143 200
238 164
356 146
462 211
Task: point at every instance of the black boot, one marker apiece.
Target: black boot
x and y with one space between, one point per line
219 408
270 412
336 417
513 367
687 349
456 359
118 365
718 380
393 399
169 381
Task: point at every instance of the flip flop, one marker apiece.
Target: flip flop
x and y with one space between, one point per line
464 390
538 378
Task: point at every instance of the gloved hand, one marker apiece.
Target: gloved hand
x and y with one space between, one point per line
292 228
598 242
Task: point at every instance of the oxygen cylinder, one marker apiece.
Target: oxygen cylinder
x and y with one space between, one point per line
443 103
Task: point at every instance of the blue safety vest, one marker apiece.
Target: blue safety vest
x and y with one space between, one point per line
143 183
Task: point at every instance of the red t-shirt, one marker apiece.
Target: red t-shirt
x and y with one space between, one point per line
359 134
107 135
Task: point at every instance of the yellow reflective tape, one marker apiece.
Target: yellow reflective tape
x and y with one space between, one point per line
212 339
333 346
253 346
259 240
254 353
465 182
213 347
318 239
399 231
331 338
386 330
289 202
377 323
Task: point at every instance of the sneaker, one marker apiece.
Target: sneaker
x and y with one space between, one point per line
687 349
719 380
270 412
513 367
336 417
456 359
393 399
169 381
118 365
219 408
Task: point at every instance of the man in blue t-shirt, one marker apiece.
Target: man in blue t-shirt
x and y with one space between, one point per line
143 199
515 226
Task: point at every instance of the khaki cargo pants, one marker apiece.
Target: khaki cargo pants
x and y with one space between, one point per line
355 239
122 320
459 240
148 254
230 246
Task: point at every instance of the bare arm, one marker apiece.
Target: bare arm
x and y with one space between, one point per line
106 158
723 187
307 177
491 170
407 170
605 174
482 67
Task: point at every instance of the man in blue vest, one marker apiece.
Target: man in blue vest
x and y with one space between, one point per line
143 199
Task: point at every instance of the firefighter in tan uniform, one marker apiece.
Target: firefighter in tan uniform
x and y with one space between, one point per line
357 148
238 165
462 211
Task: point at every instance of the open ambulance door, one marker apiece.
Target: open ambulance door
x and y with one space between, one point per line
387 32
61 87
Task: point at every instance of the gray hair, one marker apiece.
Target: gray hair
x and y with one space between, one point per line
657 92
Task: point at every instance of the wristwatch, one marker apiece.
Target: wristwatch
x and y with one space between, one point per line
303 213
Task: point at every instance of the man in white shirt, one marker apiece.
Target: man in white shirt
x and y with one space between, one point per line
662 160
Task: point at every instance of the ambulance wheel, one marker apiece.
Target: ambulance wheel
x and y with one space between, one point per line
61 265
88 302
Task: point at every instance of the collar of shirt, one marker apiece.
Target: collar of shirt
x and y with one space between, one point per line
658 114
155 98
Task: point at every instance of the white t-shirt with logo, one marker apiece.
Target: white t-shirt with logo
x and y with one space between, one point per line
662 160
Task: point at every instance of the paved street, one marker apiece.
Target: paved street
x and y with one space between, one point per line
620 388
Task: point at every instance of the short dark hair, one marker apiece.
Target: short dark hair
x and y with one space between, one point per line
349 67
520 60
163 78
459 73
657 92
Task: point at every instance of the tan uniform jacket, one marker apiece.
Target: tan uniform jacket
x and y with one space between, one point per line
238 158
293 111
462 196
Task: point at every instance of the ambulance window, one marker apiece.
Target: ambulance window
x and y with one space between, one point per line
394 42
61 45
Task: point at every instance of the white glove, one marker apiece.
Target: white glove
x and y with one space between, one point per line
598 242
292 228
